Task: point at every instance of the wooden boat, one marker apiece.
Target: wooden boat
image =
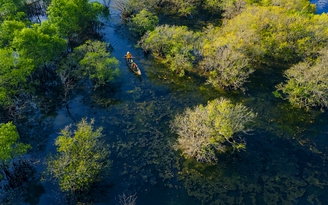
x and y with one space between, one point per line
133 66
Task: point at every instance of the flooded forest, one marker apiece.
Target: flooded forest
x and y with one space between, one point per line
221 102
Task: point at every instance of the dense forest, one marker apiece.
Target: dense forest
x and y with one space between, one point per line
209 141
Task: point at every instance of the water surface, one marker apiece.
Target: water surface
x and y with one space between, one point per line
284 163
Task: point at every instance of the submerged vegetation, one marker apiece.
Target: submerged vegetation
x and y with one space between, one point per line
231 54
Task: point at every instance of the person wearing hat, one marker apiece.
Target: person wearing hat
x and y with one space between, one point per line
128 56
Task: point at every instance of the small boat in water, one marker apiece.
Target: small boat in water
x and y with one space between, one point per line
133 66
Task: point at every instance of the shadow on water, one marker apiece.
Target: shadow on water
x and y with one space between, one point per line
21 182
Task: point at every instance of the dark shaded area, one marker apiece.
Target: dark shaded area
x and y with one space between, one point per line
21 184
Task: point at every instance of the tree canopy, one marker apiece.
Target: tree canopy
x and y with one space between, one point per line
306 84
10 147
8 29
39 43
74 17
12 10
204 130
143 21
14 72
173 43
91 60
81 157
228 54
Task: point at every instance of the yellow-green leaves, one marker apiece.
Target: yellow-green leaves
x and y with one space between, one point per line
81 157
9 145
207 129
8 30
307 84
174 43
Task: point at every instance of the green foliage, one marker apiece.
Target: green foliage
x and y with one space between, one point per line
232 8
40 43
144 21
81 158
273 34
205 130
90 60
177 7
74 16
7 31
227 54
303 6
185 7
95 63
14 72
213 5
12 10
173 43
225 66
276 94
9 145
307 84
130 7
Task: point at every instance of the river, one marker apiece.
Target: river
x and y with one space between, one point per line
284 163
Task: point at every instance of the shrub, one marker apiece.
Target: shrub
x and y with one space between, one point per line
207 129
225 67
307 84
144 21
80 159
92 61
173 43
9 145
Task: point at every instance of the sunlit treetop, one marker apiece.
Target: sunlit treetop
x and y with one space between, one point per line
9 145
12 10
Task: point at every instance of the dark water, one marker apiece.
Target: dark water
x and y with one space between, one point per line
285 160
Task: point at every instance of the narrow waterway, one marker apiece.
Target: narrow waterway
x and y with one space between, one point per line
135 113
284 163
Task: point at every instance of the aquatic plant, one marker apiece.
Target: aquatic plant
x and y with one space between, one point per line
207 129
142 146
81 158
251 178
74 18
306 84
143 21
176 44
10 146
90 60
224 66
128 199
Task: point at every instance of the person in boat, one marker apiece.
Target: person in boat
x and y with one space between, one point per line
128 57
